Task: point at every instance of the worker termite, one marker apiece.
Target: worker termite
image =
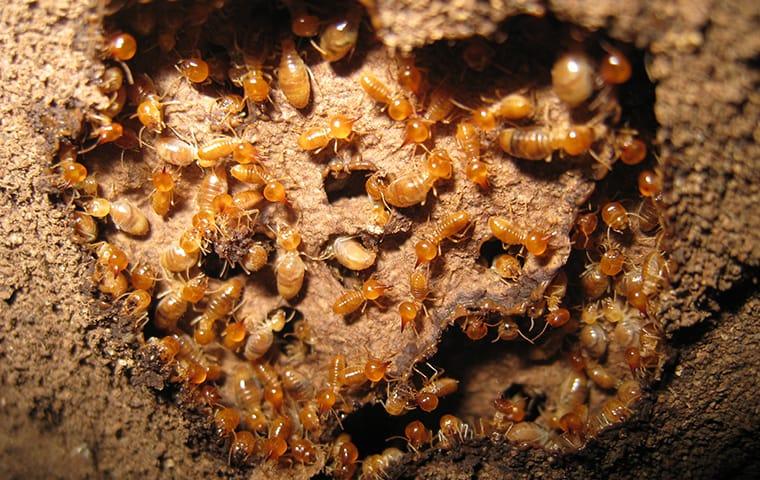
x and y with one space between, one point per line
593 339
136 306
242 447
255 257
226 421
615 216
439 106
528 433
600 375
162 198
539 143
573 78
468 138
267 375
433 389
122 46
515 106
303 451
296 384
339 37
451 227
223 301
453 431
375 467
289 267
398 399
534 241
339 128
399 107
594 282
345 454
276 443
350 253
417 435
175 151
128 218
413 186
294 75
408 75
615 67
352 300
261 334
419 288
274 190
84 227
194 69
303 24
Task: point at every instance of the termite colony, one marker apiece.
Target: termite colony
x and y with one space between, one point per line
205 189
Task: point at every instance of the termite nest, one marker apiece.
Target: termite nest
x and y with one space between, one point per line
290 220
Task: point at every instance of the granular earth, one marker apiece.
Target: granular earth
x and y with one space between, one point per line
70 406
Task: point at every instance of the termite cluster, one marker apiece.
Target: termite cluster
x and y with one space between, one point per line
200 243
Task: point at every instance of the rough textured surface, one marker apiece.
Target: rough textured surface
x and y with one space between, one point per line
68 408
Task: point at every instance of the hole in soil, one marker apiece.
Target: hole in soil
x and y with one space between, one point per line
345 186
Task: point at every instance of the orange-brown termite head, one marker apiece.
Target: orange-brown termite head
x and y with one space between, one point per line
573 78
417 434
409 76
194 69
615 216
303 24
294 75
615 68
122 46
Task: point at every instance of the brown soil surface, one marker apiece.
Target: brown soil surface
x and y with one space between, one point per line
69 406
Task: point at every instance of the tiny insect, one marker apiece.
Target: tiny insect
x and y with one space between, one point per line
276 443
468 138
573 78
478 53
352 300
539 143
223 301
433 389
451 227
409 76
128 218
294 75
290 271
339 128
194 69
122 46
339 37
439 106
413 186
534 241
615 68
261 335
350 253
162 198
399 107
302 24
417 435
253 173
84 227
375 467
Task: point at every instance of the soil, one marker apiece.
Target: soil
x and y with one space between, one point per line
70 406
